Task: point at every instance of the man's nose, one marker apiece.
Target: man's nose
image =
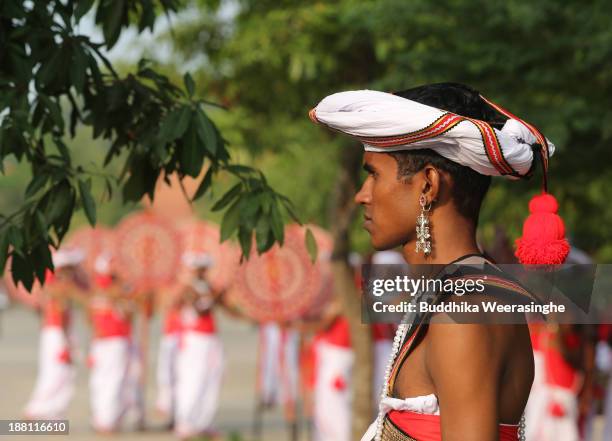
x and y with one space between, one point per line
363 195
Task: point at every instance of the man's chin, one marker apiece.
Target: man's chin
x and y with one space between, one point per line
383 245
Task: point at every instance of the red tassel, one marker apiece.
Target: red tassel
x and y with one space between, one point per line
543 241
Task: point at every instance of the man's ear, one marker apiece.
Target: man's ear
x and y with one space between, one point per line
432 183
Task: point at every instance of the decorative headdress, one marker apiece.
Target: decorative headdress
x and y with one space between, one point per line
385 122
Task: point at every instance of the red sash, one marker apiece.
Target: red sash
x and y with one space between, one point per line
108 323
428 428
204 323
172 322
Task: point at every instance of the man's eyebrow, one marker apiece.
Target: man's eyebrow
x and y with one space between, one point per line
369 168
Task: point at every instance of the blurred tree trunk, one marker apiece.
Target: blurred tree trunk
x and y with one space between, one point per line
342 211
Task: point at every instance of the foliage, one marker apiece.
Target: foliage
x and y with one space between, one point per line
549 62
154 127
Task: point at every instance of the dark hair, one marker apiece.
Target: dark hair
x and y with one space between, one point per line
470 187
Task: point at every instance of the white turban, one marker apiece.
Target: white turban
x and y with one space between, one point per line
102 264
384 122
196 260
67 257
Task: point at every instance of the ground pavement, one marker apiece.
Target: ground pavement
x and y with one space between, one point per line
18 357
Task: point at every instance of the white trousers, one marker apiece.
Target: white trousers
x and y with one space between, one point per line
166 373
114 382
332 393
54 386
279 367
556 428
198 383
541 424
268 369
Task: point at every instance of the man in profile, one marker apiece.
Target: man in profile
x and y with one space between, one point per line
430 154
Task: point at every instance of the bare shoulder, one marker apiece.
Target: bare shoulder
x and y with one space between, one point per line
484 354
469 343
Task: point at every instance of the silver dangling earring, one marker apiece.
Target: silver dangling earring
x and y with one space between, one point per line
422 227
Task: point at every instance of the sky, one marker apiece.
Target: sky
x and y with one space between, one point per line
131 45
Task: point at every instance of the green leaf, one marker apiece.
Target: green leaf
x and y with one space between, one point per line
62 223
175 123
141 181
189 84
191 155
184 117
289 207
245 237
82 8
250 207
231 220
266 202
204 185
59 201
147 19
41 259
54 110
37 183
262 234
206 132
4 250
49 69
63 149
88 202
15 237
111 26
108 185
276 222
311 245
228 197
78 68
22 271
41 224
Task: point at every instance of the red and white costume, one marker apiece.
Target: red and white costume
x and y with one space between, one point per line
332 392
166 362
114 375
419 417
56 374
199 373
552 410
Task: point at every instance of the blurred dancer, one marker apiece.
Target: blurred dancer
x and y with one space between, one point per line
332 383
199 365
552 410
56 374
114 375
